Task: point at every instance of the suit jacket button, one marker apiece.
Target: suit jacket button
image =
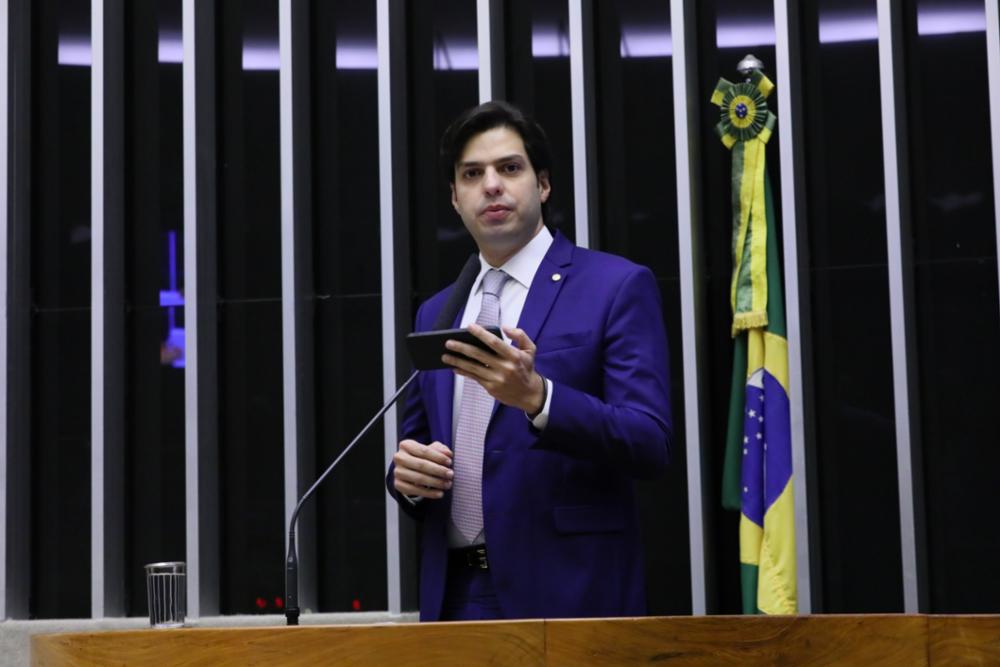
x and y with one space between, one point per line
556 277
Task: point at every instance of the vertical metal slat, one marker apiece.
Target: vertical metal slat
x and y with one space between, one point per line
296 277
15 316
200 373
581 45
5 58
107 367
385 138
904 379
993 74
790 95
688 159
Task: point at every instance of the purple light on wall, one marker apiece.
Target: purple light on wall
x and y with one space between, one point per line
855 27
645 42
261 57
170 49
934 21
549 42
357 55
848 28
743 35
938 21
453 55
74 51
448 56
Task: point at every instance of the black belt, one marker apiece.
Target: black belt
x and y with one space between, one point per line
472 557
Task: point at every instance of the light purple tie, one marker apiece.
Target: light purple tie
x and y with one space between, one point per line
473 418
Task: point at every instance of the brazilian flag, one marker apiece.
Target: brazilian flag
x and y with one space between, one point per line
757 473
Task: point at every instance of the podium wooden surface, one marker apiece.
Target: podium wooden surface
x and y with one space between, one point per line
910 640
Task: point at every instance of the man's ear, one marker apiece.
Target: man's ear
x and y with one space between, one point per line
454 196
544 187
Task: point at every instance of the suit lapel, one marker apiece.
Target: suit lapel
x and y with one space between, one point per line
545 286
543 292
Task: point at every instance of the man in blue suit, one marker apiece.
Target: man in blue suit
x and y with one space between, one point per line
520 462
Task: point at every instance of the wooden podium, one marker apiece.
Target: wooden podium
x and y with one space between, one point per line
906 640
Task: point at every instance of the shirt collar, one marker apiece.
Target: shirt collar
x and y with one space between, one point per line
525 262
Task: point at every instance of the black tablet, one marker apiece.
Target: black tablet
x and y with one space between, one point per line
426 347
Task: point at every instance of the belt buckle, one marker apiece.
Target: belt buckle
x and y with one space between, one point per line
477 557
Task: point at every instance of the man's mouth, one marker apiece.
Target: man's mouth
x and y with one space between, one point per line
495 212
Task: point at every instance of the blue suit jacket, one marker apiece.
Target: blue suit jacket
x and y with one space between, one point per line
558 504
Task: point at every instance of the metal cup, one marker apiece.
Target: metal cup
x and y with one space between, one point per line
166 592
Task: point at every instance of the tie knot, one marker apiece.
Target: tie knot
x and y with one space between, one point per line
493 282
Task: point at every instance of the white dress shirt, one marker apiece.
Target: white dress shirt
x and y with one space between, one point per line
521 268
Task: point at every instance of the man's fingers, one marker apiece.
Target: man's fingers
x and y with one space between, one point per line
435 452
422 470
477 355
425 466
408 489
442 449
417 478
496 343
480 371
520 338
422 466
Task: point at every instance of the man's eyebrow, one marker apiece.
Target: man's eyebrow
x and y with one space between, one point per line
505 158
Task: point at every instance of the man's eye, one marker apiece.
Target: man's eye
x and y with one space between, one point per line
471 173
511 168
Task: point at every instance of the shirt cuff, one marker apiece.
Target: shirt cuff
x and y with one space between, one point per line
541 420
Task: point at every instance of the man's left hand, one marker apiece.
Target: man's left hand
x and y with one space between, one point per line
507 373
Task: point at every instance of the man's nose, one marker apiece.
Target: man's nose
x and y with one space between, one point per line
492 182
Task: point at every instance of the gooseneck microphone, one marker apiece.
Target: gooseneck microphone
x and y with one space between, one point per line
292 561
446 317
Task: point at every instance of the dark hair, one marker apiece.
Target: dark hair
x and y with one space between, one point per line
486 117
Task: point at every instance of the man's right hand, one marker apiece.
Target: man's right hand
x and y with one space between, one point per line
422 470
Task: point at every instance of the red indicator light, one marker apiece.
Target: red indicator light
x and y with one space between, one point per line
356 605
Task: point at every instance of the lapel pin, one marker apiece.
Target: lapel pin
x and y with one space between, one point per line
556 277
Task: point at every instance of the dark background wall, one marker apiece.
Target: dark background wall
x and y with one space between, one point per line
857 503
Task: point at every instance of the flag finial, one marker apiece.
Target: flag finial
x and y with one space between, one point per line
749 64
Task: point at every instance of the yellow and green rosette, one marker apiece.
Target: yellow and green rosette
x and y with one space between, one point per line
745 126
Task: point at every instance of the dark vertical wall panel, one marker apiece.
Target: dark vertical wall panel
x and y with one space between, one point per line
638 219
60 329
950 209
538 80
250 353
443 81
154 242
957 319
18 558
347 298
850 302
